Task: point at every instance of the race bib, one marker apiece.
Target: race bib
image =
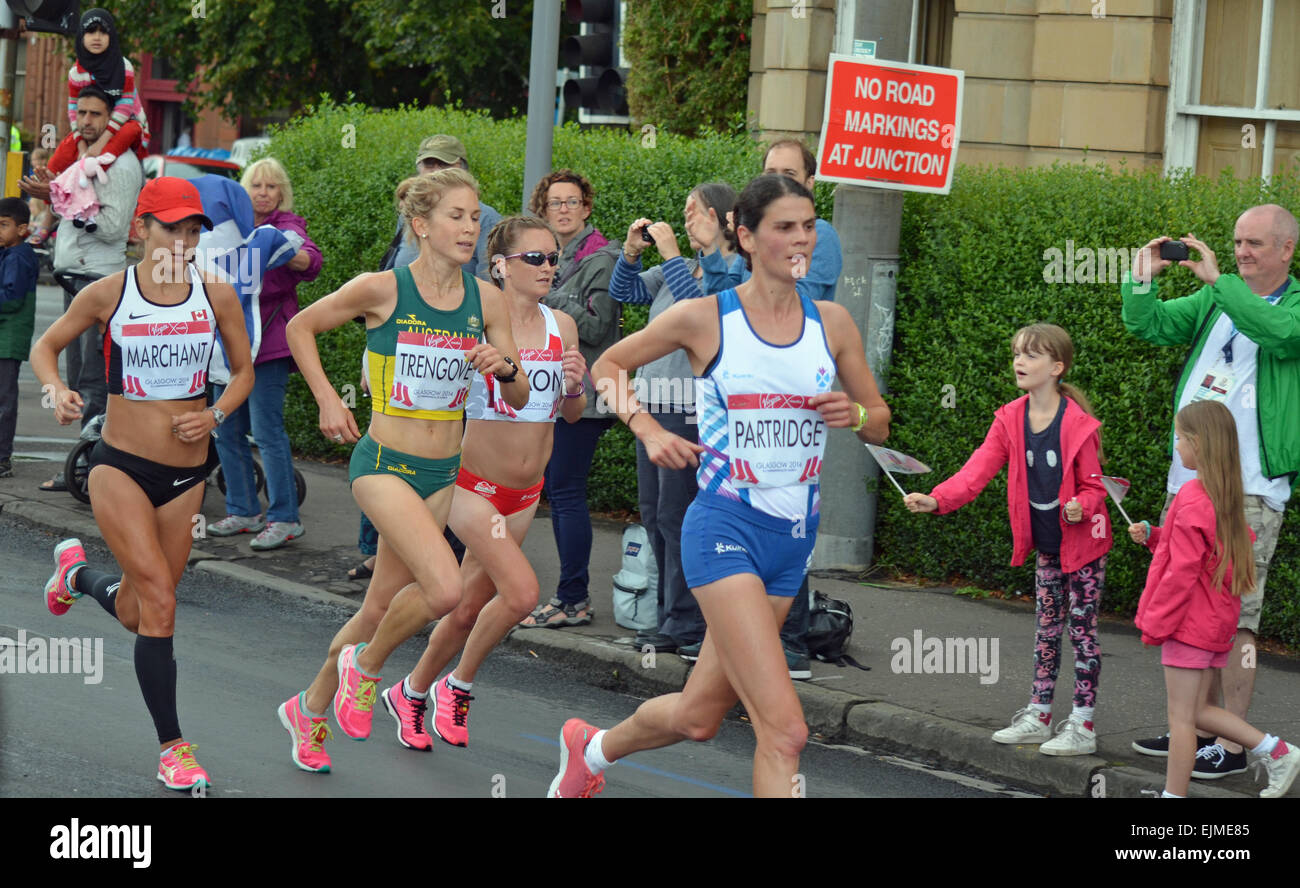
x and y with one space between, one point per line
774 440
431 371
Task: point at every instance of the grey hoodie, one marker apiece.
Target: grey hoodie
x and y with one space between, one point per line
582 292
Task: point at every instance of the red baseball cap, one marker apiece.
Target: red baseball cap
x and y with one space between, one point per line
169 199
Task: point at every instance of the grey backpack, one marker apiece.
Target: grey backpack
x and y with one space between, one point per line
636 586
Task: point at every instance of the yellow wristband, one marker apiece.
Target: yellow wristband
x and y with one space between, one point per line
862 417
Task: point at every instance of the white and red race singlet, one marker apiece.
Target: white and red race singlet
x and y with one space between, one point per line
159 352
431 371
545 374
763 442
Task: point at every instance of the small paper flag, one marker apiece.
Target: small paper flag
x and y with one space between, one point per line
894 461
1118 488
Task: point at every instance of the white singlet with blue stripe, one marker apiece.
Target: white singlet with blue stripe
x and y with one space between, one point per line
763 443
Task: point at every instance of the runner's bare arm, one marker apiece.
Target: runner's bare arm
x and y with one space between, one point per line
373 296
93 305
234 339
690 324
859 385
489 357
575 369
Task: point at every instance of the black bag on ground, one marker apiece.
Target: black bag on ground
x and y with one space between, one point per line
830 625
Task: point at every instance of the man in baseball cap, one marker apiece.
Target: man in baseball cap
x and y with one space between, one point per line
170 200
438 152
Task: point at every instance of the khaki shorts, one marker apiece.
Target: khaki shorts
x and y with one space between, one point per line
1266 523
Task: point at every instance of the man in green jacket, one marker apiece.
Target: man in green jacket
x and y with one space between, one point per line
18 270
1244 330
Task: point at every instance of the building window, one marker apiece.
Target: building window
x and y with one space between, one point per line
1234 90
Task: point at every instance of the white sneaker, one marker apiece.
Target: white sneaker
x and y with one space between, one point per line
1072 738
1027 726
235 524
1281 772
277 533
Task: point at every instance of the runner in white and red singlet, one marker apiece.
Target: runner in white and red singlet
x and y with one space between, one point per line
503 457
148 469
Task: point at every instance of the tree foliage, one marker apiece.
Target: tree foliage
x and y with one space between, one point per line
251 57
689 62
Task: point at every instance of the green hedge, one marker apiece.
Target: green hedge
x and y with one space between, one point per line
972 272
345 161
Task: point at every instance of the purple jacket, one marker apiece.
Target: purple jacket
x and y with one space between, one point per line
279 299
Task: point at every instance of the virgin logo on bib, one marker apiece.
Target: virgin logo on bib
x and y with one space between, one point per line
431 371
774 440
165 361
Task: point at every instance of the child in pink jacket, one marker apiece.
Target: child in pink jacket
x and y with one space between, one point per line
1051 444
1203 563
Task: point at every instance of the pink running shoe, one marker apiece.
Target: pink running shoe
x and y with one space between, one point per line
451 713
309 735
575 780
354 701
58 594
177 768
409 715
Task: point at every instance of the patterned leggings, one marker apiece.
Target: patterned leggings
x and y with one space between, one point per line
1085 587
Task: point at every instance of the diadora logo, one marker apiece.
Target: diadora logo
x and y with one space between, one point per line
485 488
400 469
720 548
823 379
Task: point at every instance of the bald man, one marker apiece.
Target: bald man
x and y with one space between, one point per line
1244 330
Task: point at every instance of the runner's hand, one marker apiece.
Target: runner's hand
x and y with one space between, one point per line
839 411
575 369
338 424
67 406
669 451
192 426
486 359
920 502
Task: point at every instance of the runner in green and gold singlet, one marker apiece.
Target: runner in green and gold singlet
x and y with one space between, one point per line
429 328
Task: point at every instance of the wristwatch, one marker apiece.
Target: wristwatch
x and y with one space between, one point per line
218 414
513 374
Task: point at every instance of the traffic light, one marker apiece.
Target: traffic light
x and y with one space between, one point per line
595 53
53 16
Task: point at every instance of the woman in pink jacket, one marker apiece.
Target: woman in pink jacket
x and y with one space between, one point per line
1057 507
1202 566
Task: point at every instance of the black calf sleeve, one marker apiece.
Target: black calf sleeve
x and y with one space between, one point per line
100 586
155 669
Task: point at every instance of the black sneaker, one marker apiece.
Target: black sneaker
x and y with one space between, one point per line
1159 746
798 665
689 652
1213 762
662 644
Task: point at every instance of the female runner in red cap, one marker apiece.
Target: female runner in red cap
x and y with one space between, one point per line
146 479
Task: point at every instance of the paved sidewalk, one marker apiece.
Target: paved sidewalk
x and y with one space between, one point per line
944 717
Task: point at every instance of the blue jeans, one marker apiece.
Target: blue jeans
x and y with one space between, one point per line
264 411
566 491
663 496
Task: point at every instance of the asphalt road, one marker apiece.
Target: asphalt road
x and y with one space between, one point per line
242 651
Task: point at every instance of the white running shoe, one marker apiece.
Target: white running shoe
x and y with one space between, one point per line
277 533
1072 738
1281 771
1027 726
236 524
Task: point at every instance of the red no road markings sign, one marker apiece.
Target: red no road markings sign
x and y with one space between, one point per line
890 125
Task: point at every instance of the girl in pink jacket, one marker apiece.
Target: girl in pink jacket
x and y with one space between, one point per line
1202 565
1051 444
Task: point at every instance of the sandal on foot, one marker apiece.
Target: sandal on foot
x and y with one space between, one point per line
54 485
363 571
556 614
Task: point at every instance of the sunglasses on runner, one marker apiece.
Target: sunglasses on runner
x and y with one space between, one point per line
536 257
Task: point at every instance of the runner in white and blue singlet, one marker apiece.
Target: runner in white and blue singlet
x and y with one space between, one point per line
765 360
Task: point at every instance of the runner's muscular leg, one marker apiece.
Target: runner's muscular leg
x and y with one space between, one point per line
390 576
146 599
413 529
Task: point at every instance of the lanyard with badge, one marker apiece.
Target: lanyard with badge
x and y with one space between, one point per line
1220 379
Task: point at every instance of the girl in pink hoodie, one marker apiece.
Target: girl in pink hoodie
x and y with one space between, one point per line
1201 567
1051 444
